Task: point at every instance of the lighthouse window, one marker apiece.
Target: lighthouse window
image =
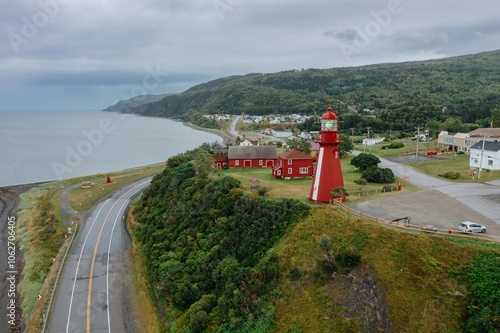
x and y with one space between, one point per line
303 170
336 154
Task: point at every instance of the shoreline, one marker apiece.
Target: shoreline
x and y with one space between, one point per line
9 202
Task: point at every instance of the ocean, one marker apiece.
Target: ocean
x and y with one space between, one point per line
38 146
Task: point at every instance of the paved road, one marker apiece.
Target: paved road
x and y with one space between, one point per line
90 295
441 203
483 197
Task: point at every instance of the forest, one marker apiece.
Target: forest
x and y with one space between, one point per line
208 246
397 96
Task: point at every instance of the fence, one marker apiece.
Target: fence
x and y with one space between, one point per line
412 227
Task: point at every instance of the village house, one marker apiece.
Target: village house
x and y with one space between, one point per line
464 141
219 148
293 164
248 142
220 161
282 134
486 157
252 156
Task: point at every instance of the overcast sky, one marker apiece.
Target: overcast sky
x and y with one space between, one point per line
86 55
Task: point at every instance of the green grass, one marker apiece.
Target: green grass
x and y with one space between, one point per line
300 188
82 199
414 271
440 165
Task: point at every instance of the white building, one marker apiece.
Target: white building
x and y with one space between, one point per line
282 134
487 159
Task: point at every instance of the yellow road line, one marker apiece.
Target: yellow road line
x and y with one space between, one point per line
89 295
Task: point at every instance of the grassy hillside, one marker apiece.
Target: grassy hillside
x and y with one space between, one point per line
402 95
222 258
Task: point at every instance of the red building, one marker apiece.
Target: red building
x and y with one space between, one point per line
328 174
252 156
293 164
220 161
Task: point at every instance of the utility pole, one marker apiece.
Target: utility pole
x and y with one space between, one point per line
416 152
481 159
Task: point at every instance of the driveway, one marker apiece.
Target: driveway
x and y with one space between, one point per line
439 202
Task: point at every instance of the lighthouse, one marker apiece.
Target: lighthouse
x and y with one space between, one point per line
328 174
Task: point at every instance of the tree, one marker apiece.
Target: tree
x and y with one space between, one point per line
346 146
202 162
495 117
375 174
301 144
363 161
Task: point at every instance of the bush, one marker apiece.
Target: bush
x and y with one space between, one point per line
450 175
379 175
363 161
395 145
361 181
389 188
338 193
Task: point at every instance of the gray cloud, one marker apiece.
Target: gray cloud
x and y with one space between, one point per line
83 54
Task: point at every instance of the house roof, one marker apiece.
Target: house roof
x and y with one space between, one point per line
491 132
252 152
294 154
488 145
220 158
314 145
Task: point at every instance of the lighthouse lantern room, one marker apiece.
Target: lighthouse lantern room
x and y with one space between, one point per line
328 174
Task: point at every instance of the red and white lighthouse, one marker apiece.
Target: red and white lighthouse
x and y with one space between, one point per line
328 174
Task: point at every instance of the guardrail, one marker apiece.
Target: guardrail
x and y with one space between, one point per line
413 227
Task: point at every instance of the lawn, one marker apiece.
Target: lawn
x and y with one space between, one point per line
434 167
300 188
82 199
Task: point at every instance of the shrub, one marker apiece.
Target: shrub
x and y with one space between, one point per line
450 175
379 175
361 181
389 188
396 145
363 161
339 192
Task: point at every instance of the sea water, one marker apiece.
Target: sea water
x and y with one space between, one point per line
38 146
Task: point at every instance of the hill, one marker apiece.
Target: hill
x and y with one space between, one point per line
398 95
221 257
126 106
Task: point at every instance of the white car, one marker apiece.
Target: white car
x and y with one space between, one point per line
468 226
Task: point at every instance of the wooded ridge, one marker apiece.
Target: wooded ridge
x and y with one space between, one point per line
393 95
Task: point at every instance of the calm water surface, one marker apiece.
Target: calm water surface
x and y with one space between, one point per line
40 146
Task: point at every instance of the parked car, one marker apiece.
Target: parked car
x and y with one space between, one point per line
468 226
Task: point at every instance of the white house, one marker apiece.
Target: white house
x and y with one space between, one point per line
487 159
282 134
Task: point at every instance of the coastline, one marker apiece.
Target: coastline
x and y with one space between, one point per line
9 201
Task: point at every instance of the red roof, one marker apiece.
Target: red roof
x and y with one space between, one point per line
329 114
295 154
219 158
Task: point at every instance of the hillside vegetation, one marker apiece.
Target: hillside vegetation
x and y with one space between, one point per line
222 258
402 95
